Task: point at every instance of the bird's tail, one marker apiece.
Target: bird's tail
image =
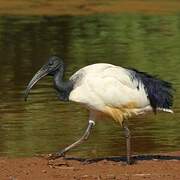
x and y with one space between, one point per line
159 92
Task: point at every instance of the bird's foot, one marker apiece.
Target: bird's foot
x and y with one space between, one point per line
130 161
56 155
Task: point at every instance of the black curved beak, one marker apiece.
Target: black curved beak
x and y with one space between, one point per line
40 74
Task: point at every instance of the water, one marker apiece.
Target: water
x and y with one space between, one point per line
43 124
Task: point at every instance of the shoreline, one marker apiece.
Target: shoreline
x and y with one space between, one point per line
84 7
151 167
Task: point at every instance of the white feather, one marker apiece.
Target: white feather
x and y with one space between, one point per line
166 110
101 85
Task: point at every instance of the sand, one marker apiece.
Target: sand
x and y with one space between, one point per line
86 7
161 167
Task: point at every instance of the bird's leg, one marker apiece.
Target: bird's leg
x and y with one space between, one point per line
82 139
128 142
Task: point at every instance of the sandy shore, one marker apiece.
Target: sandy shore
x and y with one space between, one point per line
85 7
161 167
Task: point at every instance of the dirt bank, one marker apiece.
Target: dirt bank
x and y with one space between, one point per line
161 167
85 7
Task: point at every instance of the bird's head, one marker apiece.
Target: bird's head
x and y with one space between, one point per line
53 65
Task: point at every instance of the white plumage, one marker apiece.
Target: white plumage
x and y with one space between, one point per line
109 89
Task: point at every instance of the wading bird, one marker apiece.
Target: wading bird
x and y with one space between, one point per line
106 89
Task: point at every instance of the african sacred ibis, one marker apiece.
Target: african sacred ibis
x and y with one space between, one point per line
106 89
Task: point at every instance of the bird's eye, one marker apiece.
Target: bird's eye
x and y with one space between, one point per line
50 63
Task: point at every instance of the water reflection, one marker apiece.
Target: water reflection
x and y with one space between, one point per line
44 124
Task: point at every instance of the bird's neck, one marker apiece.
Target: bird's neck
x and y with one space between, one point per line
63 87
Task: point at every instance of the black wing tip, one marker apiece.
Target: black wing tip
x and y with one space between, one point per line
159 92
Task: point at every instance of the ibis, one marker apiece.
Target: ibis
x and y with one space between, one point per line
107 90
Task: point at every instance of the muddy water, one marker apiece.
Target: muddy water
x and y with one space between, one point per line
43 124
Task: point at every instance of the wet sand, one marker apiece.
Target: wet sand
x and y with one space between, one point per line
86 7
161 167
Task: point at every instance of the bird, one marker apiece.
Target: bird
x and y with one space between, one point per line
107 90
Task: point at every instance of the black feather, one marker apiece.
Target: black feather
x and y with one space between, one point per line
159 92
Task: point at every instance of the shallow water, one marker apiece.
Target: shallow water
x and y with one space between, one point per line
43 124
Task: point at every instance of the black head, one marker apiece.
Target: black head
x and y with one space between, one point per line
53 65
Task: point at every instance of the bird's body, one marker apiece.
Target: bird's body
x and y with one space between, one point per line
109 90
